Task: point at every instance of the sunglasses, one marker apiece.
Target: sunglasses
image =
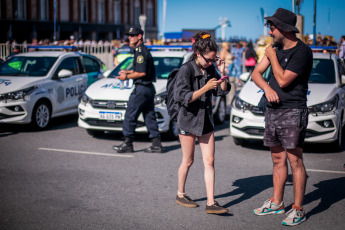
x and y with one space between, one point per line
209 59
271 26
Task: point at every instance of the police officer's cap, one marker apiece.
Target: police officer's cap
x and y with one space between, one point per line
135 31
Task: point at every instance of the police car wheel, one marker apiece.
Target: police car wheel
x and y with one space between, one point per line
220 115
41 115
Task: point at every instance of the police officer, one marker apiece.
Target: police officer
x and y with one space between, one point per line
123 52
141 99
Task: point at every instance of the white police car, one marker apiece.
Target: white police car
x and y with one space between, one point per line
36 86
326 103
104 103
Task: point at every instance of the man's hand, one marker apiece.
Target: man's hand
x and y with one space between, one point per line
122 76
270 51
271 95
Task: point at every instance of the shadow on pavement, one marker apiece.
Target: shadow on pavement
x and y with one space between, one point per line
328 192
63 122
248 187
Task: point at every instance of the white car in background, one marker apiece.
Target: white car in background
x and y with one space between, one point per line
326 104
36 86
103 105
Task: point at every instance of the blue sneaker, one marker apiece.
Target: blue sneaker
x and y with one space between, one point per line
294 217
270 208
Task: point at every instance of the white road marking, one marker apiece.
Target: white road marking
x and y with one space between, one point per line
87 153
325 171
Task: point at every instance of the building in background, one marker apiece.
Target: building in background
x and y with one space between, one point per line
84 19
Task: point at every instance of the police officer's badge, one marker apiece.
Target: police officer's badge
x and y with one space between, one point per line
140 59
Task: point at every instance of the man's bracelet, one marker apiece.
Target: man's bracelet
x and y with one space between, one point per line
126 78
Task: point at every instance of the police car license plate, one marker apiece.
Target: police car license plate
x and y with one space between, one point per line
110 116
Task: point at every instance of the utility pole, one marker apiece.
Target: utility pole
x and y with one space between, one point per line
314 25
54 20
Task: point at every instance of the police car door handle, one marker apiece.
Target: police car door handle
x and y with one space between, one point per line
79 79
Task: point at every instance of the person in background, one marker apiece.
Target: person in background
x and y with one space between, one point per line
15 51
141 99
286 116
116 45
123 52
196 81
341 50
251 57
260 50
228 58
237 52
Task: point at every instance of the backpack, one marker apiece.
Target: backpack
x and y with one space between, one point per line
172 105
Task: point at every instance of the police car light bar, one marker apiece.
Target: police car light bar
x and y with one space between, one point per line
166 47
53 47
324 47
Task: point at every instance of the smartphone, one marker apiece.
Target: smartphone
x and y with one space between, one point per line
222 78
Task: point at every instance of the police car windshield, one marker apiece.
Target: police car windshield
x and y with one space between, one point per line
27 66
163 65
322 72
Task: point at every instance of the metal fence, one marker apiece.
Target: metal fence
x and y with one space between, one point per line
104 52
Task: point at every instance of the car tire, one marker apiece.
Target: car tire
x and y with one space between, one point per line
94 133
338 144
239 141
172 134
41 115
220 115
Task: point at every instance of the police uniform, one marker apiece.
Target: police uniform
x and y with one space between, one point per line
142 97
141 100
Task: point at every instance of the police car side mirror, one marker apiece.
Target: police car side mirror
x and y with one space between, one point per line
65 73
106 73
245 76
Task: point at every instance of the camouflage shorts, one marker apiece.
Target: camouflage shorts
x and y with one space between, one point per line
285 127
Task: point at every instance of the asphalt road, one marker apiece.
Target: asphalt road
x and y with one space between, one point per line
62 178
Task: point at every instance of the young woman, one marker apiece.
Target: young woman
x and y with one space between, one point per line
196 81
251 57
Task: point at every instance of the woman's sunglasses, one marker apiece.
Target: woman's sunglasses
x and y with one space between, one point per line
209 59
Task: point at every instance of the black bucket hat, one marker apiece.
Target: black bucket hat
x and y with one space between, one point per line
134 31
284 19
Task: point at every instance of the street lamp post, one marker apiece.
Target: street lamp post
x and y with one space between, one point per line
142 21
223 23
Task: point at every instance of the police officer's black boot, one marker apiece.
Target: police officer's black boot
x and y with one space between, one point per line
156 146
125 147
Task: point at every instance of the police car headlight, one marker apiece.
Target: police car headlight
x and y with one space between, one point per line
326 107
240 104
85 99
160 98
18 95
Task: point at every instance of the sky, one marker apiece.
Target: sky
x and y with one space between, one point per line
245 16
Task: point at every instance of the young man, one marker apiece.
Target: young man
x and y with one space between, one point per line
142 97
286 116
